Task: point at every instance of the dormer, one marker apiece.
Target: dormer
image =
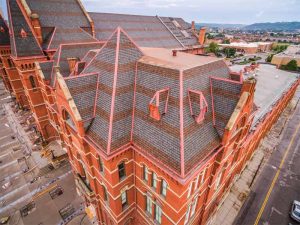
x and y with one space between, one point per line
23 33
198 105
158 105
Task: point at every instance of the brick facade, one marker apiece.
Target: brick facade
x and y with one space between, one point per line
130 168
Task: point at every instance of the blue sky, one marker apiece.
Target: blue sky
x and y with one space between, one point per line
216 11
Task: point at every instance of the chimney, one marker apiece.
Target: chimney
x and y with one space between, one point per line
193 26
35 20
201 38
174 53
72 63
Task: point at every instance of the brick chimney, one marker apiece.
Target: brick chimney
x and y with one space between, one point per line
193 26
174 53
201 38
35 20
72 63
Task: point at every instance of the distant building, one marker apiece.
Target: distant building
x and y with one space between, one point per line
154 135
291 53
249 48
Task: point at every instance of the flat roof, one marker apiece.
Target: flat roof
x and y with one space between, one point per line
291 51
272 83
164 58
245 45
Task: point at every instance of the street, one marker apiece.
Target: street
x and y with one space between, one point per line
278 184
31 193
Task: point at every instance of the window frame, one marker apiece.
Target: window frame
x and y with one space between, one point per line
158 214
101 165
149 204
190 190
122 171
164 188
187 214
124 200
154 180
145 173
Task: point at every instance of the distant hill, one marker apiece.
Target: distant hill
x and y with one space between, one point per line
278 26
220 25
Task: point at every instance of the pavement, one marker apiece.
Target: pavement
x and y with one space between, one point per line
25 181
242 204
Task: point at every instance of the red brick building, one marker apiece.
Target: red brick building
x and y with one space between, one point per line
154 135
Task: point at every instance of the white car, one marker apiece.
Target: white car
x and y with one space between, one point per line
295 212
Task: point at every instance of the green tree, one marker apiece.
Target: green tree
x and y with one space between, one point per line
226 41
269 58
230 52
292 66
213 47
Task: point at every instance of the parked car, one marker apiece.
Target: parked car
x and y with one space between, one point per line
295 211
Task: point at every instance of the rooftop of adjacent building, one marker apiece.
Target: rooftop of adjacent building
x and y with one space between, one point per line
291 51
272 83
245 44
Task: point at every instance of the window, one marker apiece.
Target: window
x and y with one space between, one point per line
10 63
218 180
198 105
146 173
32 82
105 197
149 205
121 168
101 167
154 180
159 104
190 190
197 181
203 175
164 186
194 207
187 214
124 199
158 214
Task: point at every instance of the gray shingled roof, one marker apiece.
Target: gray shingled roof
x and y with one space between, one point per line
146 31
4 34
71 51
20 46
72 25
46 68
62 13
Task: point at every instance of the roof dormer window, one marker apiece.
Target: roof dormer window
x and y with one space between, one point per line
198 105
159 104
23 33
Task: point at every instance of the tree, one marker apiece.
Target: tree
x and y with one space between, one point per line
229 52
226 41
269 58
292 66
213 47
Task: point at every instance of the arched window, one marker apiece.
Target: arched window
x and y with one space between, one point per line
68 119
32 82
10 63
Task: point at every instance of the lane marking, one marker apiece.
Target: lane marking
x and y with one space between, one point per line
276 176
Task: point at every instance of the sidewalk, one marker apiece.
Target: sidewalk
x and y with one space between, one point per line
240 190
